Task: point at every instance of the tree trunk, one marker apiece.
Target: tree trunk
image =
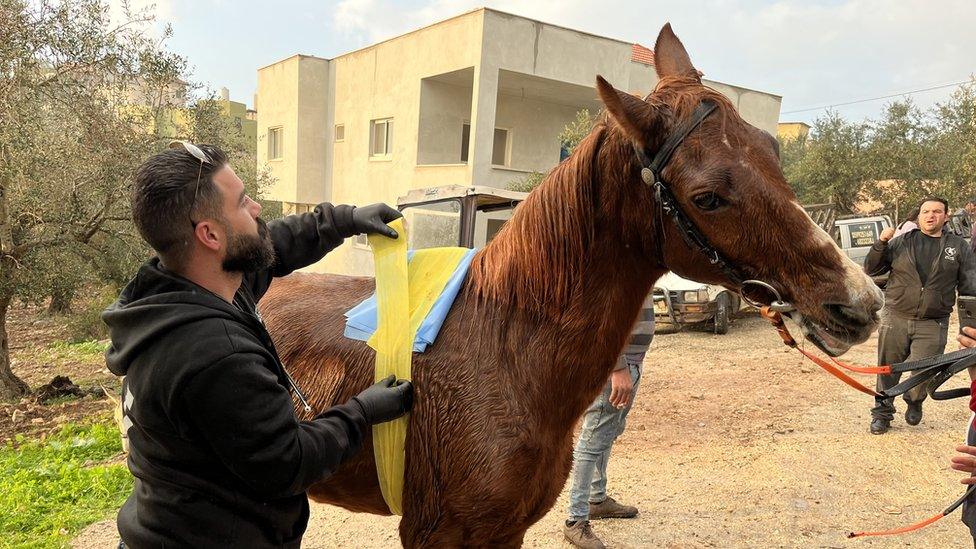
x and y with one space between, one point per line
60 302
11 386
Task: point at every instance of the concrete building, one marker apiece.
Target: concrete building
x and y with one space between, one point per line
478 99
788 131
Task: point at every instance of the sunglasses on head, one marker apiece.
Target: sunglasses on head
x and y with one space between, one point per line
197 153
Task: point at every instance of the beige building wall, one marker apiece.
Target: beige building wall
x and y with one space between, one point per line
277 106
760 109
484 68
533 129
444 110
314 131
792 130
294 97
569 60
384 81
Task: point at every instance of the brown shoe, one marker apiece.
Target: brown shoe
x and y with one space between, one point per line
609 508
581 535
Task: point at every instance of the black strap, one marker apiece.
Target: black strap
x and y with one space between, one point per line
671 144
936 371
937 360
667 203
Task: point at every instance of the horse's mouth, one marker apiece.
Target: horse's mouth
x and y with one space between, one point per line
831 338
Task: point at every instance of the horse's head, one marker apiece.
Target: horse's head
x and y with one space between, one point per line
725 177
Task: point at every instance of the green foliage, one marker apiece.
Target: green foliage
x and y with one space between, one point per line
51 490
955 144
63 354
527 183
84 101
895 161
85 349
569 138
830 165
86 323
577 130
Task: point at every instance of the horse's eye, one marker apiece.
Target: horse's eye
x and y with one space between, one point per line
708 201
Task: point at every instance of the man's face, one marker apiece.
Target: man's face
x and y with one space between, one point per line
971 208
249 247
931 217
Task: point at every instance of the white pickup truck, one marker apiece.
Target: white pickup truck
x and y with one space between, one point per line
680 301
856 235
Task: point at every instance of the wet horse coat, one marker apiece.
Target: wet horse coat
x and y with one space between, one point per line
548 304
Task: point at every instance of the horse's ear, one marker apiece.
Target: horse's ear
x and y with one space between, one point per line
671 57
632 114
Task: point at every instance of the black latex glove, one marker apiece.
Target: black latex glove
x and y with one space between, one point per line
373 219
388 399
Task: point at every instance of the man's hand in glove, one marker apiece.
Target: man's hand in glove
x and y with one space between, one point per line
388 399
373 219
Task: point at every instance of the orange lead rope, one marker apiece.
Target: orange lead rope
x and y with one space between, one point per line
777 320
917 525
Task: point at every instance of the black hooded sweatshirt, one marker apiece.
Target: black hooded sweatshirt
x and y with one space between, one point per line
218 456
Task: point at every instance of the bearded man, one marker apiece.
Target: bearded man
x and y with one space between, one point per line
218 455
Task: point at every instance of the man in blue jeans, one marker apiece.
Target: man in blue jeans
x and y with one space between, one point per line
603 422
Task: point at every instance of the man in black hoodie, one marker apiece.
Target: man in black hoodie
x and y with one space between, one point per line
927 266
218 456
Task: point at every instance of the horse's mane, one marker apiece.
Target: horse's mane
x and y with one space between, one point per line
529 263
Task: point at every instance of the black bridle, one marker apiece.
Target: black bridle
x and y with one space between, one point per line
651 173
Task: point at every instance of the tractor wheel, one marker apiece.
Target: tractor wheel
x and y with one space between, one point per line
723 313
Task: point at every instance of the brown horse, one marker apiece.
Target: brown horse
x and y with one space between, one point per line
534 332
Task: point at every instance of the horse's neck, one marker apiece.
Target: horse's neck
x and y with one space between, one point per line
570 278
595 327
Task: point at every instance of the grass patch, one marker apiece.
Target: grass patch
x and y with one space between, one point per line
60 354
81 349
85 349
51 490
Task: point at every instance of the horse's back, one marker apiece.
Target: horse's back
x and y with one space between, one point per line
305 314
327 293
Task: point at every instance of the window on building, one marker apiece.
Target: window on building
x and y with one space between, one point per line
340 132
274 143
381 137
433 225
291 208
499 149
465 140
499 152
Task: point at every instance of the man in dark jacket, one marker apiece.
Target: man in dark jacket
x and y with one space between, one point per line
927 266
218 456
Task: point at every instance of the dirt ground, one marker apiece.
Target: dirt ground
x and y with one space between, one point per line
32 333
734 441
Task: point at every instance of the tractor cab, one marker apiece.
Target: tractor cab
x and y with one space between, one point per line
456 215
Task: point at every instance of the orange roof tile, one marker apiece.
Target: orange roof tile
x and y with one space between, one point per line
641 54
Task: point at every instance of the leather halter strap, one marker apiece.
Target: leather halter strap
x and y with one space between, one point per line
652 174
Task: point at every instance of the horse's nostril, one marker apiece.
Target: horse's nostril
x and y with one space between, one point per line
845 314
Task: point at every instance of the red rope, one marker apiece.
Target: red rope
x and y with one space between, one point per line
777 320
863 369
902 530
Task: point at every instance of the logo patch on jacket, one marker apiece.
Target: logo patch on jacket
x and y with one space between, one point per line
128 401
950 253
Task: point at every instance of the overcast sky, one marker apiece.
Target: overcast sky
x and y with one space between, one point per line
813 53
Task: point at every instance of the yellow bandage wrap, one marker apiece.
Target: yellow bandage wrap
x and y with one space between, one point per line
403 299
